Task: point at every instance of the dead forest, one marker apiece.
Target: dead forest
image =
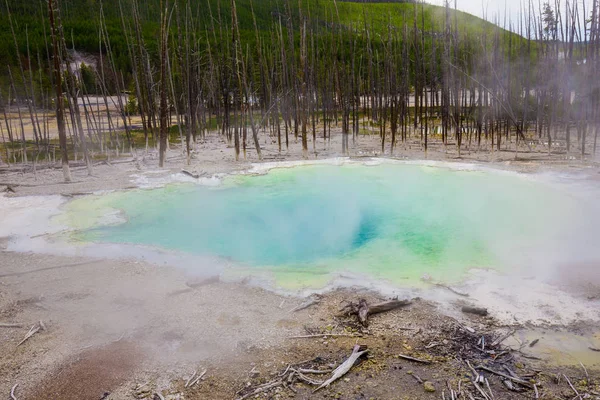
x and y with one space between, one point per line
315 70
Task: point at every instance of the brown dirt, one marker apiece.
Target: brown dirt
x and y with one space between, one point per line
91 374
383 374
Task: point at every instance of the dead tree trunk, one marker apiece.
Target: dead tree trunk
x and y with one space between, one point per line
163 88
62 136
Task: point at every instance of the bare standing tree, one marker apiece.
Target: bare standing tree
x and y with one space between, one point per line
60 106
164 37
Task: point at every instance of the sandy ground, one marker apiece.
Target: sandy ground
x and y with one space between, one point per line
121 328
215 155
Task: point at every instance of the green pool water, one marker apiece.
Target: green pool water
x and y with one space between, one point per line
304 225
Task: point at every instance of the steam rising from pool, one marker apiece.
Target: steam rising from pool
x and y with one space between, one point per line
389 222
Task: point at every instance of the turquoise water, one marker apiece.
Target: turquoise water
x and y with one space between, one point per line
305 224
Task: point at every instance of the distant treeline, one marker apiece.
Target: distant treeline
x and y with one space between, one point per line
380 1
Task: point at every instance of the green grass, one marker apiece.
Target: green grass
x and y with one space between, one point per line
80 21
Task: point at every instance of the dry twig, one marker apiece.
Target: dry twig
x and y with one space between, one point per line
414 359
34 329
11 325
517 380
457 292
313 371
487 383
12 392
187 383
587 376
261 389
417 378
577 395
324 335
306 304
198 378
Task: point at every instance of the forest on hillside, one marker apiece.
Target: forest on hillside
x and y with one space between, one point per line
244 68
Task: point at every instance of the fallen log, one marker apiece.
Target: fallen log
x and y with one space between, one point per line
363 310
188 173
387 306
475 310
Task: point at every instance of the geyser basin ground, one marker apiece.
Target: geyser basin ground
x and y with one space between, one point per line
394 223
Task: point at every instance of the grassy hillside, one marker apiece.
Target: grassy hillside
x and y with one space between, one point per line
80 19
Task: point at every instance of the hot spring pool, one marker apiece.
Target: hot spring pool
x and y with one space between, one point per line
304 225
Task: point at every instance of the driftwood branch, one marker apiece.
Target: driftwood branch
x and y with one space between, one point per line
344 367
